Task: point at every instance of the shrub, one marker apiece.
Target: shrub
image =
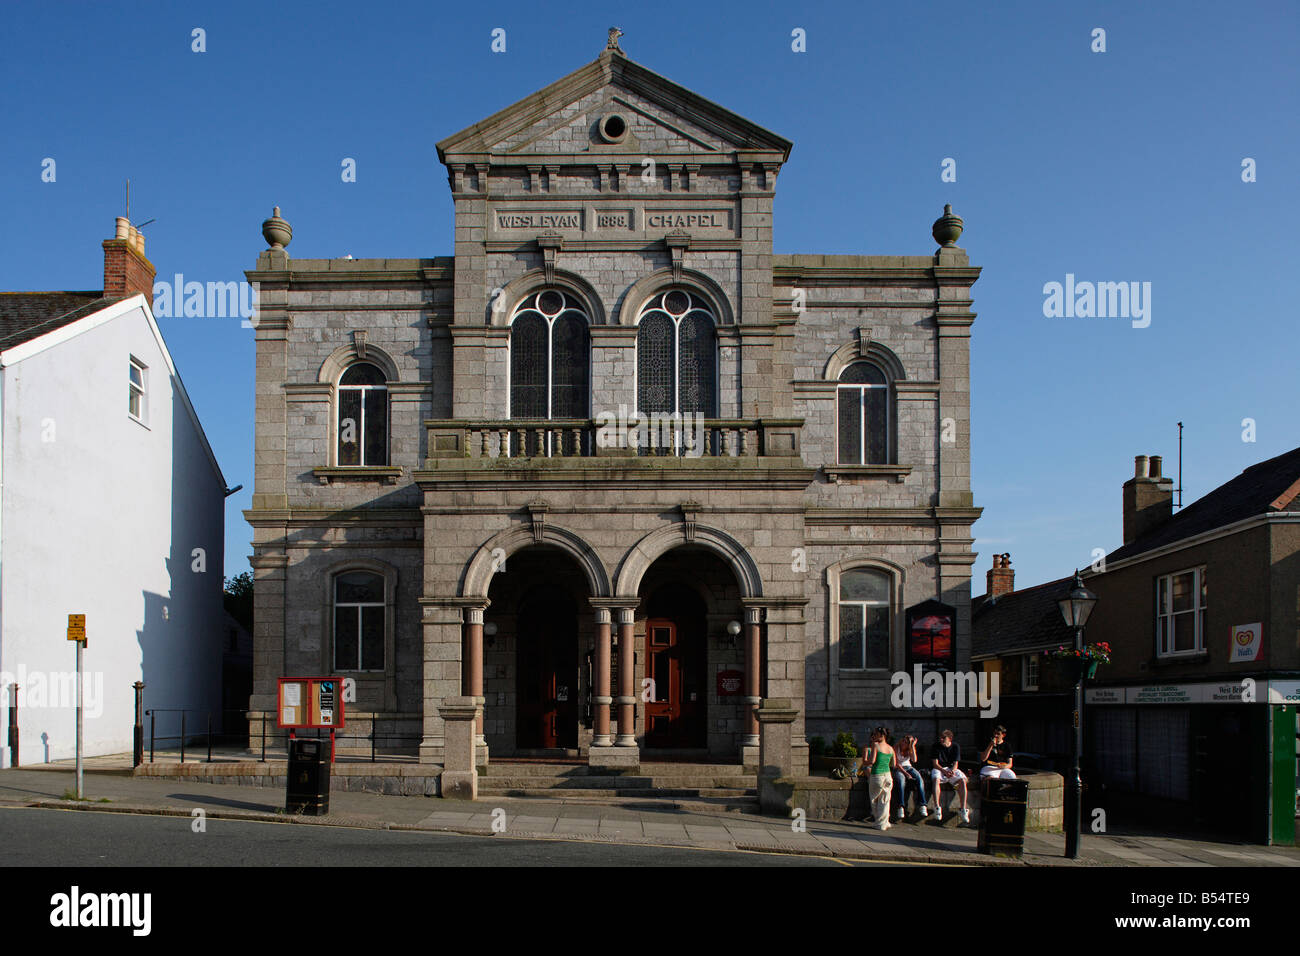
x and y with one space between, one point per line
845 745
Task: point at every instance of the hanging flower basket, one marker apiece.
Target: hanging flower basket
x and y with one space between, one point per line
1083 662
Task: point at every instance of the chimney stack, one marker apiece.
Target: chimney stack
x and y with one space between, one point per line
126 270
1148 498
1001 578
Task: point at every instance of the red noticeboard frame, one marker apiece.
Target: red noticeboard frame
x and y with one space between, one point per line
312 696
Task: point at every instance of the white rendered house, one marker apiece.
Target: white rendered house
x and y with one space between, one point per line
111 506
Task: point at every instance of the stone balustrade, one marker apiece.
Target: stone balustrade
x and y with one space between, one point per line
659 437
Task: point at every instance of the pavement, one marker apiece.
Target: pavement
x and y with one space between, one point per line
621 822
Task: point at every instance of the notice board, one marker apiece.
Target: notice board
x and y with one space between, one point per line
310 702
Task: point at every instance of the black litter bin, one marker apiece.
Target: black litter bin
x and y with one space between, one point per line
309 777
1003 806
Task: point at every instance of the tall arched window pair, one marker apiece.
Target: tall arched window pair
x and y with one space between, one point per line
550 357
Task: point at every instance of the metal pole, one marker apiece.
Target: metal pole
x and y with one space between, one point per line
137 754
153 726
79 728
1074 811
209 738
182 736
13 725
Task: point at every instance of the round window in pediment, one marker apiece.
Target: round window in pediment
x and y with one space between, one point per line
613 128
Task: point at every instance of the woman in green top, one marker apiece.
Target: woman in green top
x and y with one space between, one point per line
880 761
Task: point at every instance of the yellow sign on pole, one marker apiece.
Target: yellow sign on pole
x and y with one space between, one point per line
77 627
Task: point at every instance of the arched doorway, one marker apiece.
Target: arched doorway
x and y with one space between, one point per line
676 661
546 669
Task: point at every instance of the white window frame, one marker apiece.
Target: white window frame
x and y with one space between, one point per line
141 389
365 390
1028 682
840 603
1163 638
861 389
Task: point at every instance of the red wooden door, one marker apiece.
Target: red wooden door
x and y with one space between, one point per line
674 712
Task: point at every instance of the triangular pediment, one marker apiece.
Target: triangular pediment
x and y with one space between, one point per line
662 118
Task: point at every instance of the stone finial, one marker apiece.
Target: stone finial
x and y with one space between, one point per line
947 228
612 42
276 231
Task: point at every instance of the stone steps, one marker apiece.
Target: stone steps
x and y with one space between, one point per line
655 798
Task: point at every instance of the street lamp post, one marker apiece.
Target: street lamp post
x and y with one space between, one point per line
1075 608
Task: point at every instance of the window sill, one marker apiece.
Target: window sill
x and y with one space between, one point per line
356 473
837 472
1187 657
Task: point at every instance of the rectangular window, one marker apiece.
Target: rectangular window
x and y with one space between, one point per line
136 405
1180 613
1029 672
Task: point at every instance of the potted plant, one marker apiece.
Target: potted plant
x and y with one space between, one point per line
840 757
1083 663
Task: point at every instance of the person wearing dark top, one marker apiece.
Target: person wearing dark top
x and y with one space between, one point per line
944 758
997 756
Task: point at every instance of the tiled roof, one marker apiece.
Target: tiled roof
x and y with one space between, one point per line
26 315
1020 621
1272 485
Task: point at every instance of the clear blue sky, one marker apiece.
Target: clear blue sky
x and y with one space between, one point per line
1115 166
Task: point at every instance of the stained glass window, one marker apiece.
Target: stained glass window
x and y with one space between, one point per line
550 357
677 355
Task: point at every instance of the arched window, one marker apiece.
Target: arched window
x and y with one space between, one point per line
677 356
359 609
549 357
864 618
865 416
363 416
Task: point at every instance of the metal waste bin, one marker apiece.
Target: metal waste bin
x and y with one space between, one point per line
309 777
1003 806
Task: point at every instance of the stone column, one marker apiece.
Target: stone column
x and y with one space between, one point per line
626 678
601 696
472 673
776 717
605 751
460 716
753 680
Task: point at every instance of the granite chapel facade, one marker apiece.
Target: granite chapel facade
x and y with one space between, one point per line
613 471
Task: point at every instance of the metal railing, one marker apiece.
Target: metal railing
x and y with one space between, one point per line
189 732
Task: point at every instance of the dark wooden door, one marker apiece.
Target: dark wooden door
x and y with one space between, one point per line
673 714
547 676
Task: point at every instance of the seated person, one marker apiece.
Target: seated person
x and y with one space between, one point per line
944 758
997 756
908 773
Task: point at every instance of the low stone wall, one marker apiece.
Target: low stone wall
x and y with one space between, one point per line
392 778
822 798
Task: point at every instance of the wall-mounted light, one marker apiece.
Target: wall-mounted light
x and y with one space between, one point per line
733 631
490 632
